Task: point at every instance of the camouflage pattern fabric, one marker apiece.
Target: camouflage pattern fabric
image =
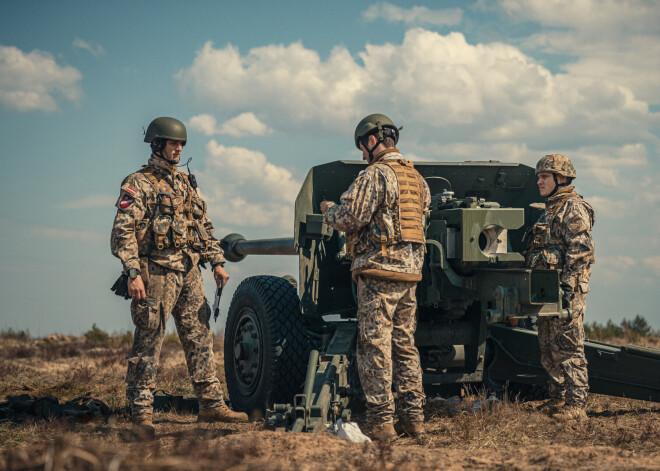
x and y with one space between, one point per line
556 163
182 294
562 354
386 352
138 204
561 239
173 283
375 189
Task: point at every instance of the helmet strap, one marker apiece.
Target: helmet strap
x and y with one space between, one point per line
557 185
157 150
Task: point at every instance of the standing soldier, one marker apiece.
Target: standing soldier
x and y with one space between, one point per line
160 234
561 239
383 216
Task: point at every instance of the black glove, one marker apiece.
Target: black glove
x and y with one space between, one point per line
120 288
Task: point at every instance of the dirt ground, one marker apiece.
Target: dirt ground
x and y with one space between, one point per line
619 433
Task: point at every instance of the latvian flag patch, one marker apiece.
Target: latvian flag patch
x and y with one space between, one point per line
126 201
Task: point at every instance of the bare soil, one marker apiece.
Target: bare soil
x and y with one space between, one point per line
619 433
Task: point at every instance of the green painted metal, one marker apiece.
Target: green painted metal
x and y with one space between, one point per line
473 284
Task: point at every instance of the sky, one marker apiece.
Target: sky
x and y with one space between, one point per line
269 89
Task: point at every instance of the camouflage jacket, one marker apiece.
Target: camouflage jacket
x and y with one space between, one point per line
374 189
561 239
162 218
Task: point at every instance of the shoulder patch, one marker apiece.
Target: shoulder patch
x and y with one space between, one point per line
125 202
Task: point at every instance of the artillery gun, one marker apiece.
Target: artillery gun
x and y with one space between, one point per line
290 353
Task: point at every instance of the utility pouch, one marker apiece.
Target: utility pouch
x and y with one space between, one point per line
203 235
161 227
142 236
165 205
198 211
540 235
177 204
179 229
382 232
552 257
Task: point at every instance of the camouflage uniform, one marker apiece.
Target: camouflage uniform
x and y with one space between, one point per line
561 239
386 282
142 239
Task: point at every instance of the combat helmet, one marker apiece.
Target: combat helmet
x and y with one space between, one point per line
557 164
377 124
166 128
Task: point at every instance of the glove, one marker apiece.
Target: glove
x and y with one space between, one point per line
120 288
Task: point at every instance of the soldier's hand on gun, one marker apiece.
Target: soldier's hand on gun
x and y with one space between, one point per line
136 289
221 276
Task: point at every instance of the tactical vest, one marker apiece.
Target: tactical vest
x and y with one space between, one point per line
543 250
403 222
174 220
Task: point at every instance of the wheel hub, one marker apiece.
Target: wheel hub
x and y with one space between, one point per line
247 347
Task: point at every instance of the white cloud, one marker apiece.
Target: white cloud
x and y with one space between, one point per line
619 40
204 123
413 16
245 124
434 84
91 201
34 81
605 163
243 189
653 264
93 48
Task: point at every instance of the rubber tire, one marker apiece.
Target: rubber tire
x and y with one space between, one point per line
283 343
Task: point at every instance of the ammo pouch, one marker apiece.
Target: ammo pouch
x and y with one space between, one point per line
165 204
201 232
161 227
540 235
198 210
382 232
179 231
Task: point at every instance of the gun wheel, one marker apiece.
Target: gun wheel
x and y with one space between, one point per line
266 345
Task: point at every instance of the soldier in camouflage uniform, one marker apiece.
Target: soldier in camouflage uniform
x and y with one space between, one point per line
161 233
561 239
383 216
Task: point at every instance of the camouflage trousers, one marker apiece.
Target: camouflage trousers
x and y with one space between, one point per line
562 354
386 352
182 294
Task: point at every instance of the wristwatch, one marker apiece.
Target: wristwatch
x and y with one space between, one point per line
133 273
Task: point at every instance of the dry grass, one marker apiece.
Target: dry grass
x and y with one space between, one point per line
620 433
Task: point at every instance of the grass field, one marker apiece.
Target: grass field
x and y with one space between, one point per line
619 434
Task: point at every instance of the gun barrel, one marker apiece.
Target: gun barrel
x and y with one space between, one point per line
236 247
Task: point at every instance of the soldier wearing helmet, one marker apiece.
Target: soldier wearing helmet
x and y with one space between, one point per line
385 238
161 233
561 239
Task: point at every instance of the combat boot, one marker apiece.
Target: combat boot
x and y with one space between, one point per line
383 433
551 406
143 426
222 413
571 414
413 429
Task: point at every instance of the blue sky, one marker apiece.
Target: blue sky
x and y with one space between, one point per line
269 89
